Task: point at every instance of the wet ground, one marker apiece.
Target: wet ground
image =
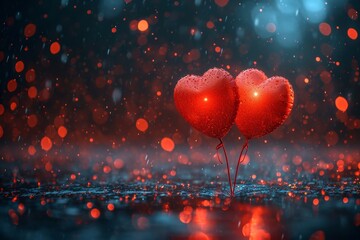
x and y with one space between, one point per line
281 194
182 209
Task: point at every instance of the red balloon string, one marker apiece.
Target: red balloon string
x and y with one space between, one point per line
221 145
240 160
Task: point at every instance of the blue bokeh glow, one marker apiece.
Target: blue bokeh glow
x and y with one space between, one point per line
288 33
290 7
314 10
264 21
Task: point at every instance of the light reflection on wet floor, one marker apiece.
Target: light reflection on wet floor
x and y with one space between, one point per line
180 211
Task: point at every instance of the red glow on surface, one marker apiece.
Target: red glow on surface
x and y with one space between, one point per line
111 207
185 217
255 228
95 213
246 230
199 236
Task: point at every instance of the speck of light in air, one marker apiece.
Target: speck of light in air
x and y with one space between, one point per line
221 3
341 104
256 94
205 99
143 25
46 143
30 30
142 125
12 85
31 150
271 27
352 13
325 29
19 66
62 131
167 144
13 106
55 48
352 33
32 92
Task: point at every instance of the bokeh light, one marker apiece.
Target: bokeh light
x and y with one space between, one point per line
352 33
325 29
341 103
142 125
143 25
167 144
314 10
55 48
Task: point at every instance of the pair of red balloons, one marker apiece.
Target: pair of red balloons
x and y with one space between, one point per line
213 102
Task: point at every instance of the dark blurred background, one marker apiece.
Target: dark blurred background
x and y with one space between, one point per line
84 77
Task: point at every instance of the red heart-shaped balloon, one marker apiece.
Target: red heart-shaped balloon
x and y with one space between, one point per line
208 102
265 103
